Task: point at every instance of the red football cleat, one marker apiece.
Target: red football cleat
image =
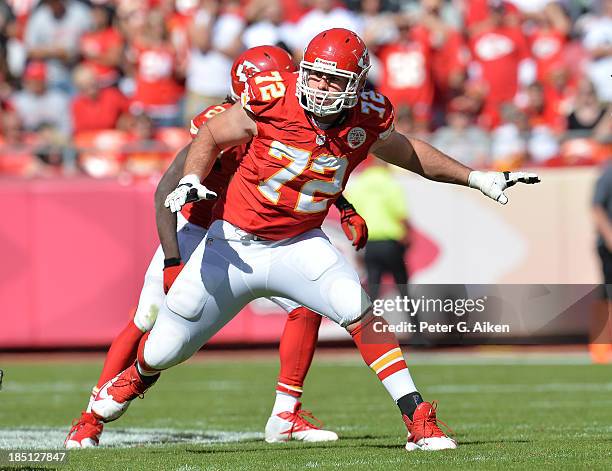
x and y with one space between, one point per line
296 425
115 396
423 430
85 432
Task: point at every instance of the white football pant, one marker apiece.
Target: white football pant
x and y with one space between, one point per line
229 269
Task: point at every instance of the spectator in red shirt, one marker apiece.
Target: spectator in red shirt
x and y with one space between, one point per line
498 51
477 14
448 52
541 112
178 22
547 40
102 48
293 10
95 108
158 88
406 77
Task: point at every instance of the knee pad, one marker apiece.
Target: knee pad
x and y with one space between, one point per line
165 349
186 297
348 300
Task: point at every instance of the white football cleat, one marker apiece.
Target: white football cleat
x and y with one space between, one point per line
115 396
423 431
287 426
85 432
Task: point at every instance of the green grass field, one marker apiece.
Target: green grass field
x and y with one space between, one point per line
210 414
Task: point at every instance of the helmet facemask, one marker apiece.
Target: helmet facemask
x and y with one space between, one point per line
325 102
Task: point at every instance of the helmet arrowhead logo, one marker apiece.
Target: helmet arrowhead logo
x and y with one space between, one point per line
245 70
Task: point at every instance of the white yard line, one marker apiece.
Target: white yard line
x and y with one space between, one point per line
52 438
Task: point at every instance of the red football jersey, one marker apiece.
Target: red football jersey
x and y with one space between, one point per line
155 82
100 113
200 213
406 74
499 51
447 59
547 47
97 43
293 171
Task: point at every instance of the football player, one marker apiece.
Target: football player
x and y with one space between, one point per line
306 132
288 420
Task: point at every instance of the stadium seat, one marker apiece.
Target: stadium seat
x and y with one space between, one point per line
147 160
100 152
580 151
173 138
17 161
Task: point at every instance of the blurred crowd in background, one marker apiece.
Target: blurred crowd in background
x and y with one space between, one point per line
109 87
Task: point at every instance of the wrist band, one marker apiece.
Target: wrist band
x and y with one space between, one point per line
172 262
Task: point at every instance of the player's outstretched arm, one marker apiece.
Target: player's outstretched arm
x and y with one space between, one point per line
230 128
419 157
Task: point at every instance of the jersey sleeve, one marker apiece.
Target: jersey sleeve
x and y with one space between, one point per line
382 114
385 127
204 116
263 91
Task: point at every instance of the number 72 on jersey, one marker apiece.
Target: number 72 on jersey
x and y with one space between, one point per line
331 168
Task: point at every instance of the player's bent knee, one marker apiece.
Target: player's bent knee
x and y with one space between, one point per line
365 318
186 298
168 348
348 300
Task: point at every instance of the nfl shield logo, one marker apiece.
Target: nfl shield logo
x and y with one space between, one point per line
356 137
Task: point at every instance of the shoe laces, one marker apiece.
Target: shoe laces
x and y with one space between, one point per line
303 419
81 422
130 383
428 425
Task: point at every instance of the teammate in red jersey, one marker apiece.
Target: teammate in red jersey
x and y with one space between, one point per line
305 134
301 329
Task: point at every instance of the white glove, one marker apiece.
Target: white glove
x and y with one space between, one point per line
493 184
189 190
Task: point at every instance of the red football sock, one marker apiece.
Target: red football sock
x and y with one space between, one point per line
121 353
142 367
382 354
296 349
